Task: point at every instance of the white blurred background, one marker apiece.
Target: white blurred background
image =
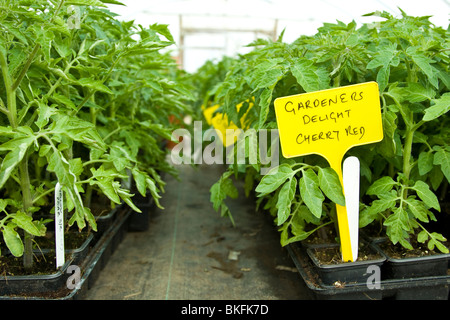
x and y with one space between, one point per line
208 29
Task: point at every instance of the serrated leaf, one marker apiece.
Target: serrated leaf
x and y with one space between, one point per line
384 58
425 162
397 226
308 76
94 84
285 197
416 92
426 195
90 218
64 100
25 222
330 184
418 209
18 147
374 210
424 63
106 183
382 185
162 29
435 240
13 241
125 195
440 107
310 192
271 181
266 74
154 191
221 189
96 3
442 158
140 182
422 236
264 102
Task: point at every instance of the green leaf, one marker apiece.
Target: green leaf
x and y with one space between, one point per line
300 236
18 147
45 112
310 192
90 218
139 179
225 212
422 236
426 195
382 185
416 92
440 107
330 184
425 162
105 180
266 74
285 197
26 223
376 208
424 63
94 84
113 2
308 76
162 29
435 240
12 240
418 209
221 189
384 58
388 147
125 195
275 178
64 100
96 3
442 158
58 164
397 226
160 130
264 102
154 191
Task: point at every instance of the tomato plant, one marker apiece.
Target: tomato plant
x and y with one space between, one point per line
83 102
401 177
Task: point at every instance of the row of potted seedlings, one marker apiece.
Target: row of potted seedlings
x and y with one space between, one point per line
404 199
85 101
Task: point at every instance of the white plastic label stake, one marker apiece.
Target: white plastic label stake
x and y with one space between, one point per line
59 226
351 182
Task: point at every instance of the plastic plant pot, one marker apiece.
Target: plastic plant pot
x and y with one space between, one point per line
348 272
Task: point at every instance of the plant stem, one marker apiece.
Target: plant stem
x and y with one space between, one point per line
10 93
24 178
27 202
26 67
407 166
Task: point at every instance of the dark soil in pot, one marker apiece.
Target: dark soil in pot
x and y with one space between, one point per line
76 244
399 252
325 235
420 262
72 240
327 261
13 266
332 255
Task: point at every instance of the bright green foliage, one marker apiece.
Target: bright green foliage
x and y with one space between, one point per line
402 176
85 100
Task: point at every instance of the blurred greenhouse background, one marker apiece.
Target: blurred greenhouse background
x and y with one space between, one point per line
208 29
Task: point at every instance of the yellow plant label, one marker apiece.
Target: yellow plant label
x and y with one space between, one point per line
228 131
329 123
